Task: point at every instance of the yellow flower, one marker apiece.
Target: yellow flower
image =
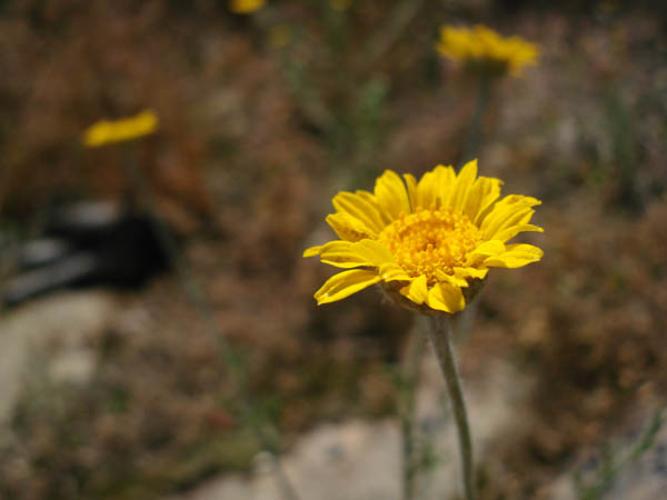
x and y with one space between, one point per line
246 6
108 132
481 49
429 243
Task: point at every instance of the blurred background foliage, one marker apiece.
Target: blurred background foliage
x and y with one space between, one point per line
262 118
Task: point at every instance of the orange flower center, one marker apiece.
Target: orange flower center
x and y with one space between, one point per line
430 241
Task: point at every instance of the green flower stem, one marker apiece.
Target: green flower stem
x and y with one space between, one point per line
475 131
441 338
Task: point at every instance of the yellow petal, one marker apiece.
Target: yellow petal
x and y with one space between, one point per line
451 279
434 188
347 254
482 195
470 272
359 207
344 284
393 272
426 190
510 211
512 231
413 193
417 290
507 221
391 196
445 179
312 251
464 183
348 228
376 253
341 254
487 249
446 297
517 255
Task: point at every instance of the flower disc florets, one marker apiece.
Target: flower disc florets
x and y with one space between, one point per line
429 243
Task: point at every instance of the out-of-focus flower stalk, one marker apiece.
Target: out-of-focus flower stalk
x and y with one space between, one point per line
476 127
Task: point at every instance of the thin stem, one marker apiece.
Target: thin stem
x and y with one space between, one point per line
441 338
475 131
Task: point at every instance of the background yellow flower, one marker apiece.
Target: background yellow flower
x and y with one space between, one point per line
246 6
109 132
482 49
428 241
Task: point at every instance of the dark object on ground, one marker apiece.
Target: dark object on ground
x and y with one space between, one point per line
90 244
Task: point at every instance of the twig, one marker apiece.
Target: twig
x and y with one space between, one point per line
475 131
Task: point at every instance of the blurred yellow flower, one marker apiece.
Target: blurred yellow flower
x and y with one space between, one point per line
481 49
429 243
246 6
108 132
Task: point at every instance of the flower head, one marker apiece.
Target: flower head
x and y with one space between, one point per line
429 243
109 132
246 6
482 50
